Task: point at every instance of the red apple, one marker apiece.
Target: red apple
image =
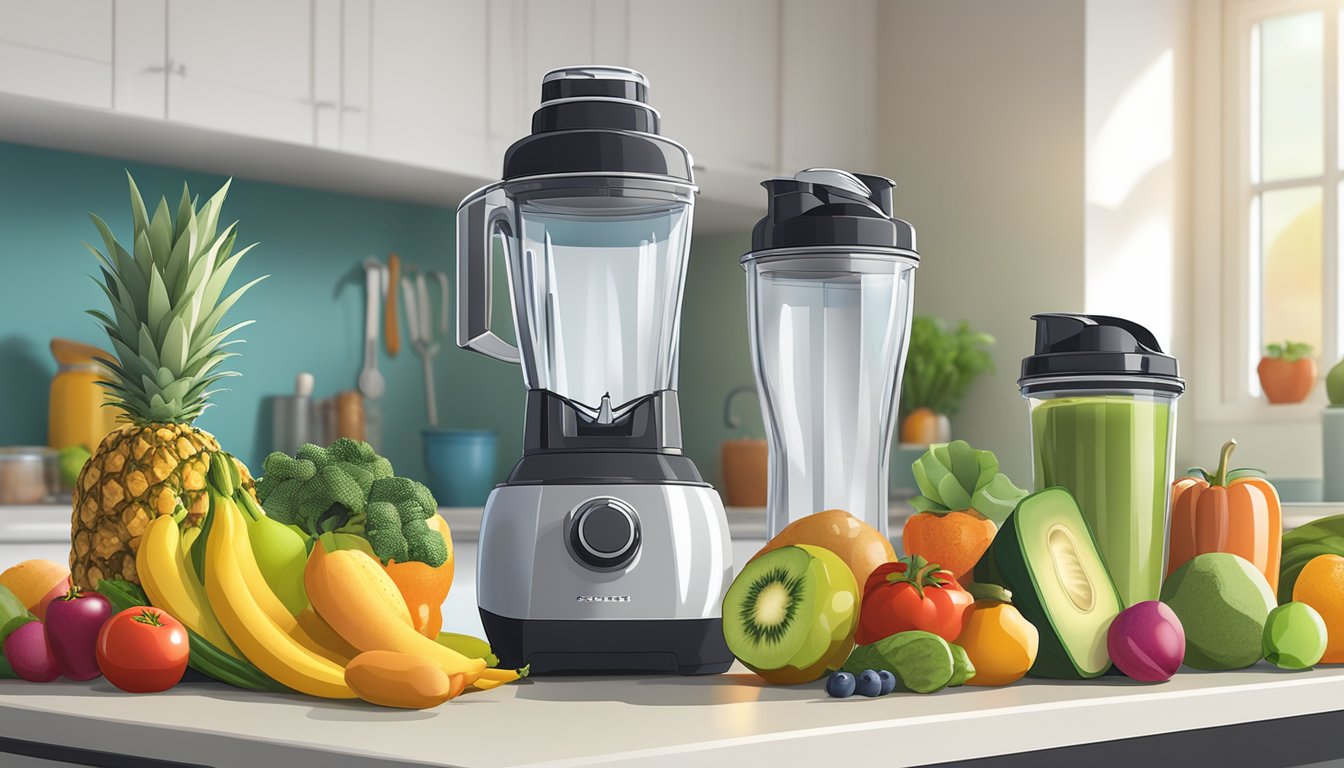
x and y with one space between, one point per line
40 610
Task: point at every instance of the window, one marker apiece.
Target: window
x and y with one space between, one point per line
1282 142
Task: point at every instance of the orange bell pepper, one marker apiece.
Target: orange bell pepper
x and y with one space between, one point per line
423 587
1233 511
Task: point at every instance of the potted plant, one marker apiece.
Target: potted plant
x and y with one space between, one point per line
1287 372
1332 436
939 369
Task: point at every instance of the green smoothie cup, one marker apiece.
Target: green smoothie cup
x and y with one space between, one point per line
1102 398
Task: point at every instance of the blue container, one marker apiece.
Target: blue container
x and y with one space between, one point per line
461 464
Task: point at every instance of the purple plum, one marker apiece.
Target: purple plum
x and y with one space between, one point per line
1147 642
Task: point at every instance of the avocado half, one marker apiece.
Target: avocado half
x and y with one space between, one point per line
1046 555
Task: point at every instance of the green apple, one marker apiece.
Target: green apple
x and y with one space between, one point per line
70 461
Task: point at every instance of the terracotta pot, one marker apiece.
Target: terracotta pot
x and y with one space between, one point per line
1285 381
924 427
745 470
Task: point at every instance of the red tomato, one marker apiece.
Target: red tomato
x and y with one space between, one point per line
911 593
143 650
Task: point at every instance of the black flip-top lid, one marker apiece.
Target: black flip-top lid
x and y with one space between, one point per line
596 119
1075 351
826 207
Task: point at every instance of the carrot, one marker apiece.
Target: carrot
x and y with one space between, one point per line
954 540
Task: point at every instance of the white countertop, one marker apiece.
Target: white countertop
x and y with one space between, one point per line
725 720
51 522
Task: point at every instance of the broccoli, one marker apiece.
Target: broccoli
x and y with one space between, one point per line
347 488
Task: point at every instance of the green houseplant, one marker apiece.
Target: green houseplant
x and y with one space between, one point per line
940 367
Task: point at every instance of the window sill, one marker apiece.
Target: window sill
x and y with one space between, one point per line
1262 411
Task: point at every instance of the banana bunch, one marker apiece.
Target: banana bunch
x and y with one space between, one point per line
1300 545
251 613
264 614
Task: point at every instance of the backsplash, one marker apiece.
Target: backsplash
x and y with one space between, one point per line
309 312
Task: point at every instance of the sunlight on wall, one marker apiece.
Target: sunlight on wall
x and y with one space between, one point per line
1135 138
1130 184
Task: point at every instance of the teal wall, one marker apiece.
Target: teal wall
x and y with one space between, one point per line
309 313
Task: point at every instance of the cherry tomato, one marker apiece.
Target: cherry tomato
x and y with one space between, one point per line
911 593
143 650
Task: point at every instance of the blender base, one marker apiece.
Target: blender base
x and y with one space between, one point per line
587 646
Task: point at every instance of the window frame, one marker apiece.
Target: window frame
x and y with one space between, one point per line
1240 347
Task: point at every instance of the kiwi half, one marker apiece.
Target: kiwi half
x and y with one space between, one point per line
790 614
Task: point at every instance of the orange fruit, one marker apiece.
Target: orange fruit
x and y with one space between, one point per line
857 543
1321 585
424 588
33 580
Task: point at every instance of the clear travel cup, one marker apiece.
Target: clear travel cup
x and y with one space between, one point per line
830 280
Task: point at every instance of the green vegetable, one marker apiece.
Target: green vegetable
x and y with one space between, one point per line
1046 556
1292 351
12 616
204 658
941 365
348 489
921 661
962 668
1319 537
955 476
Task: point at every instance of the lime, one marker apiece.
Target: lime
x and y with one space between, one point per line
70 461
1334 384
1294 636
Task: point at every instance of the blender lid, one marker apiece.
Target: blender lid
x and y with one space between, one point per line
1076 351
596 120
830 209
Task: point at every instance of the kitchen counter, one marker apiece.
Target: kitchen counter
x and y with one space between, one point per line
41 522
725 720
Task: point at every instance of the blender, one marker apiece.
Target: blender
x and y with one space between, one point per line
1102 397
830 278
604 551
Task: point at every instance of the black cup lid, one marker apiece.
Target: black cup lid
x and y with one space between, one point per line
596 119
1075 351
826 207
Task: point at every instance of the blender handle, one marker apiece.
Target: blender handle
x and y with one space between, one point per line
477 222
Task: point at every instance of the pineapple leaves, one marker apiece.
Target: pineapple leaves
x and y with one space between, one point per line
166 305
161 233
955 476
139 216
176 345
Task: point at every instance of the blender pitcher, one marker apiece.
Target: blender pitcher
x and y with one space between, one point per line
830 279
605 550
1102 399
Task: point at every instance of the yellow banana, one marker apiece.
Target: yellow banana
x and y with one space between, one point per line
236 590
266 598
159 563
357 598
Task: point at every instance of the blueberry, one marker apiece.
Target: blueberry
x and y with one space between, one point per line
840 685
868 684
888 681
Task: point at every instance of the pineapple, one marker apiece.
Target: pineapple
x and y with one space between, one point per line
167 297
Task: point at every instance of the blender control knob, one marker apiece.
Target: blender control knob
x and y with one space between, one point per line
604 533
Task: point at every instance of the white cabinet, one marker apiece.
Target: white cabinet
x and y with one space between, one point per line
59 50
356 73
243 67
828 90
528 38
712 69
140 58
427 82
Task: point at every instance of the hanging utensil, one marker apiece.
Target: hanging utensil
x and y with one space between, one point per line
391 333
420 326
371 382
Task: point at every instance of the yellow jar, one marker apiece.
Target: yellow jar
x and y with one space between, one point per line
76 415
